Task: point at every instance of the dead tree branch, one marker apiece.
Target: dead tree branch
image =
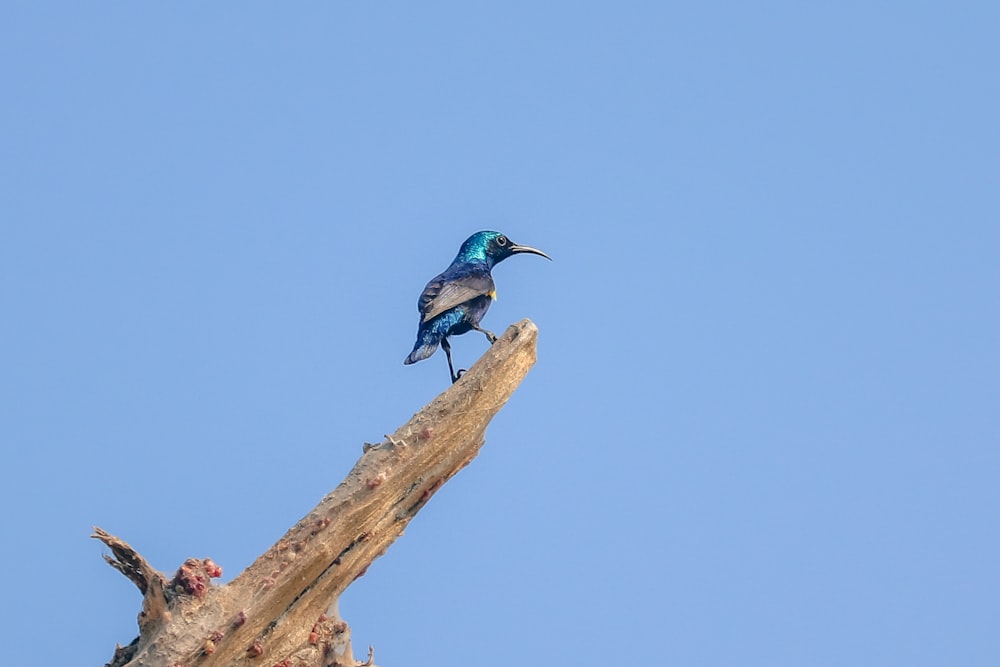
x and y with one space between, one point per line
282 610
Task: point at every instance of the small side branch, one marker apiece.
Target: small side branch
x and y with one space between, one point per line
150 582
127 560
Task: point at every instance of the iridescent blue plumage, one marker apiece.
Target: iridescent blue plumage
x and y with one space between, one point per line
455 301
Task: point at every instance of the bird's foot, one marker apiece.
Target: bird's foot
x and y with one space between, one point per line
460 373
490 336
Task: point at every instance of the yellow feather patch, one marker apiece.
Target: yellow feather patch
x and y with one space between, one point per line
492 294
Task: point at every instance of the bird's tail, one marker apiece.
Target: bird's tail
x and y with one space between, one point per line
427 343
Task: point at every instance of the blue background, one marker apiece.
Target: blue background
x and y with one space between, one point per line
763 427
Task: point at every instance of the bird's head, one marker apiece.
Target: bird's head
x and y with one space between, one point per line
491 248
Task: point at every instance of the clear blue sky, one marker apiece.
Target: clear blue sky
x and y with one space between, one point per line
764 426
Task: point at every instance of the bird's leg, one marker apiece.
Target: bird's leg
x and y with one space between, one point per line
490 336
446 346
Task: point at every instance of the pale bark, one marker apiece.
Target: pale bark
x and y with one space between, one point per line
281 611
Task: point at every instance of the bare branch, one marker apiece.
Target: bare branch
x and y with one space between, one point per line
274 612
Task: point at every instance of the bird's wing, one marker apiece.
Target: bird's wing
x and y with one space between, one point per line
442 293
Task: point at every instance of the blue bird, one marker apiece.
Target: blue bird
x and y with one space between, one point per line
455 301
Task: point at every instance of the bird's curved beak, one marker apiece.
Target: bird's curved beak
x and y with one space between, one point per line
515 249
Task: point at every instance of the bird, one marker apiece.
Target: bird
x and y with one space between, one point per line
455 301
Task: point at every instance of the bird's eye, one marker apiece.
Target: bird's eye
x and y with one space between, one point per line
501 241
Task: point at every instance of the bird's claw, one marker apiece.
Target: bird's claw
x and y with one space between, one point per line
460 373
